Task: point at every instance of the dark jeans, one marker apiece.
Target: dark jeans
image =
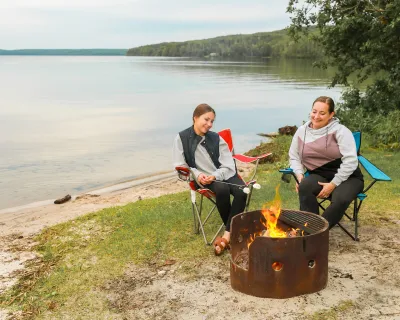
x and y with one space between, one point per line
223 191
341 197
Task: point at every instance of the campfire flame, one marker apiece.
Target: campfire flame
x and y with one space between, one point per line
272 214
251 239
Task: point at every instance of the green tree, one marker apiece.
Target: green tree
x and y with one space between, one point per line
362 38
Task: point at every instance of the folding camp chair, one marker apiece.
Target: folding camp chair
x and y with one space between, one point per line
376 175
186 174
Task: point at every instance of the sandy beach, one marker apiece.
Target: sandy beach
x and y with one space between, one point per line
30 219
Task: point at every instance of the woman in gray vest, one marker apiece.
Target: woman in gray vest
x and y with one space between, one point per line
209 158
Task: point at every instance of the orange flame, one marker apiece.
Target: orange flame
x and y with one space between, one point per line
250 240
272 215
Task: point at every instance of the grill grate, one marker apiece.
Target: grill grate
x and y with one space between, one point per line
298 219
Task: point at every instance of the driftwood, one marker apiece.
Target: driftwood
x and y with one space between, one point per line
63 200
269 135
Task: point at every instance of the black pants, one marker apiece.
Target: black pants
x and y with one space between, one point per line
223 191
341 197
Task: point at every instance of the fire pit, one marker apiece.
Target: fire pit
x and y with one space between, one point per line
271 267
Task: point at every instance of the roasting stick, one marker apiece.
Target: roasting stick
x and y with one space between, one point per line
245 189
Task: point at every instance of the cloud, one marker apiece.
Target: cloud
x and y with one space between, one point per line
128 23
61 3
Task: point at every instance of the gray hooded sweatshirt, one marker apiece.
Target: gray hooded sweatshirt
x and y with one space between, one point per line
329 152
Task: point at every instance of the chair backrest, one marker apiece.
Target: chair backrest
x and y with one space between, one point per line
371 169
357 139
226 134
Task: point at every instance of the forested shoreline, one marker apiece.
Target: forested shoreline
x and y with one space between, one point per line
258 45
64 52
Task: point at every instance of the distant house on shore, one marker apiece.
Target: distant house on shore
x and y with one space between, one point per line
213 55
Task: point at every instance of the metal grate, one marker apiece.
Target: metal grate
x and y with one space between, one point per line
298 219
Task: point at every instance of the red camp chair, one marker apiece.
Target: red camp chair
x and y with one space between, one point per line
186 174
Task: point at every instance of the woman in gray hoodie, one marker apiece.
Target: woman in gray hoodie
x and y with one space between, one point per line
327 151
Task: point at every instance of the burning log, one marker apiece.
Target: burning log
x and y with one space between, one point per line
289 234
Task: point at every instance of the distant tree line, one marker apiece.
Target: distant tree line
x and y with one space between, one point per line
261 45
65 52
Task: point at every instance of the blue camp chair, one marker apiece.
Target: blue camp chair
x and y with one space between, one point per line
376 175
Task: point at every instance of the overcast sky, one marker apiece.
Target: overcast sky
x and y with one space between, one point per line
131 23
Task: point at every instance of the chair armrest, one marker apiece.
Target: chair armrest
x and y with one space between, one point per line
372 170
184 171
286 170
186 174
247 159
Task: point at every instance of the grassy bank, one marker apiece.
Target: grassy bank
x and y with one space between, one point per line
80 257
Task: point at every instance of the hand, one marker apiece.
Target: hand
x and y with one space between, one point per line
209 179
202 178
327 188
299 178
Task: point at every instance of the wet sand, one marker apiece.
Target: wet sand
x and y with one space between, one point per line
31 218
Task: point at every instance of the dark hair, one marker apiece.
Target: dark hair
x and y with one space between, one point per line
202 109
328 101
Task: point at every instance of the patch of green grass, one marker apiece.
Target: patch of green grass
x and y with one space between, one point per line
334 313
279 147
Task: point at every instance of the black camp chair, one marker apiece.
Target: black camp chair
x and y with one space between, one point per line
376 175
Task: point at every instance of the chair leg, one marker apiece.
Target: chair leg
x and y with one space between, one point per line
210 213
198 215
320 204
196 229
355 237
246 208
354 218
199 224
356 208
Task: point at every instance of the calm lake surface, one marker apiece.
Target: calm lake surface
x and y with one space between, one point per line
72 124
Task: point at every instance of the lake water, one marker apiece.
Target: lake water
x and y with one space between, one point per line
71 124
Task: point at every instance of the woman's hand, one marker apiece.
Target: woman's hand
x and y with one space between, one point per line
209 179
327 188
204 179
201 178
299 178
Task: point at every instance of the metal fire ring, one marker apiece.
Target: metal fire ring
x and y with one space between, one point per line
279 267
